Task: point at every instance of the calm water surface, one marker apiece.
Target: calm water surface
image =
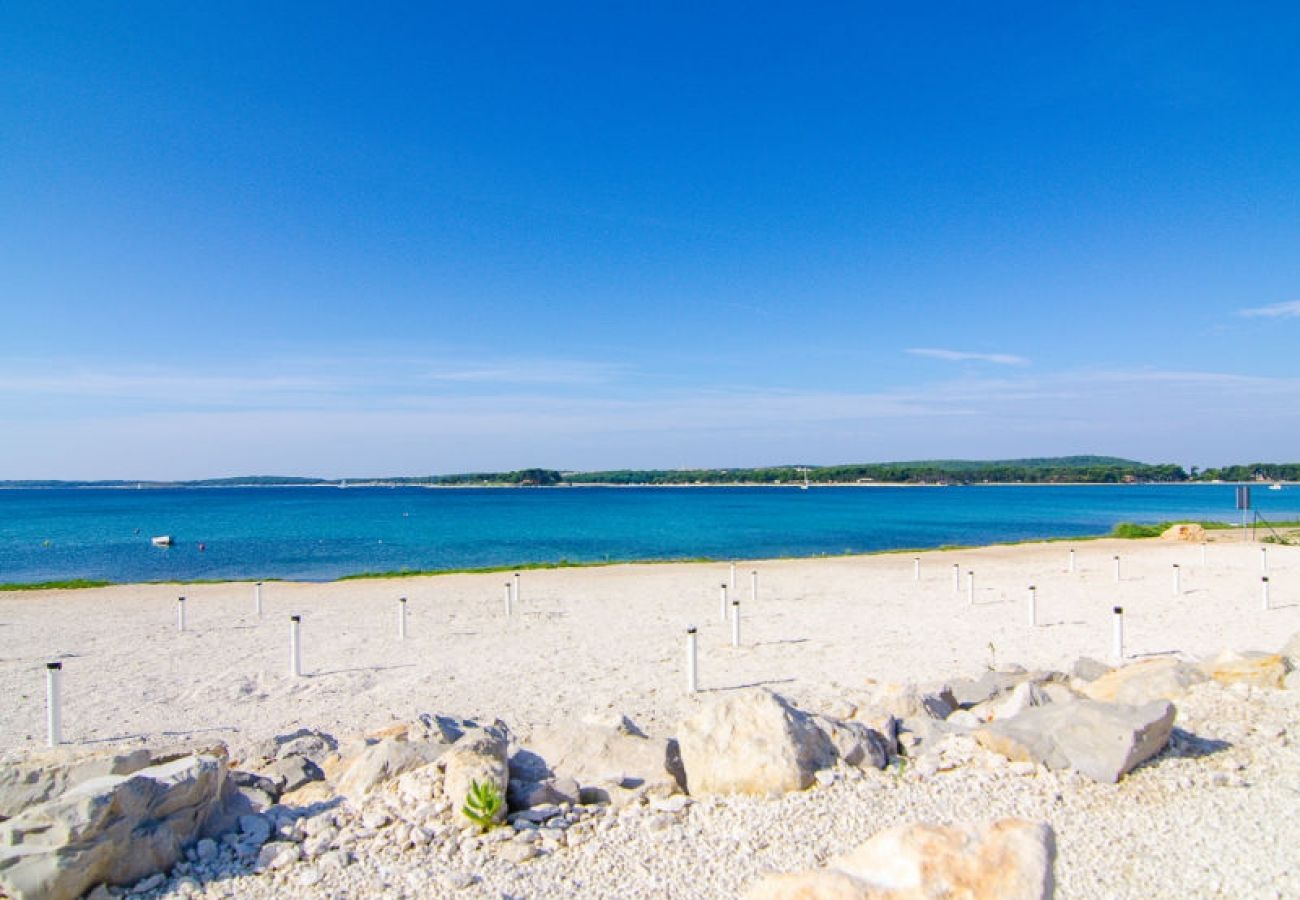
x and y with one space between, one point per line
322 533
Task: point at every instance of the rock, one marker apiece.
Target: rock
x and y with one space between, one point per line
292 771
1010 859
145 885
907 701
1292 681
335 859
594 755
516 851
382 761
548 791
256 829
46 774
277 855
1255 669
1022 697
115 829
206 850
1184 531
1086 668
964 718
751 742
1162 678
614 722
1103 741
1291 652
479 756
855 743
315 745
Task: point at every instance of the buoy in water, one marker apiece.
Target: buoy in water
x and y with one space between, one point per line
202 547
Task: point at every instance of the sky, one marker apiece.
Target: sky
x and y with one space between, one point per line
401 239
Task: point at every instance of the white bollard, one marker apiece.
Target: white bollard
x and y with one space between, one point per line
54 703
508 593
257 599
295 646
1263 560
1117 635
956 578
753 586
180 613
515 599
1264 584
401 618
916 569
1071 562
735 623
1033 606
722 605
970 587
1178 579
1117 568
692 661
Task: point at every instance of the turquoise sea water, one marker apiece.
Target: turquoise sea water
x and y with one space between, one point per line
323 533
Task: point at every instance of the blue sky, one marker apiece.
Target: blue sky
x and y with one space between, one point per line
324 239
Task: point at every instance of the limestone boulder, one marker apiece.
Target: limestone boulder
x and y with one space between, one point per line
751 742
1009 859
1086 668
1291 652
1184 531
114 829
1252 668
1160 678
1104 741
478 757
910 701
611 751
47 774
383 761
855 743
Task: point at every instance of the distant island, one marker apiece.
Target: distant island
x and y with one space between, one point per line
1048 470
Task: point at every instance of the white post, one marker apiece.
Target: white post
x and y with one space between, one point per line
956 578
1263 560
1178 579
753 586
401 618
692 660
1117 568
1072 562
1264 583
722 605
1117 635
970 587
508 593
733 576
295 646
257 599
735 623
916 569
515 599
54 703
180 613
1033 606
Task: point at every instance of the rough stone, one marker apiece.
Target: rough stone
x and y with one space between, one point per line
907 701
292 771
114 828
382 761
1162 678
855 743
1086 668
1101 740
479 756
591 755
46 774
969 692
1291 652
1010 859
1184 531
751 742
1254 669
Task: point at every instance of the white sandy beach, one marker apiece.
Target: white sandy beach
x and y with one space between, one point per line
596 640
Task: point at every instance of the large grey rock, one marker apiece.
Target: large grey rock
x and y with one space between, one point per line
908 701
292 771
613 753
1104 741
46 774
1010 859
479 756
855 743
1086 668
115 829
1161 678
313 744
751 742
382 761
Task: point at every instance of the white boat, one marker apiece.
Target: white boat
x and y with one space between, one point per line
1275 486
163 540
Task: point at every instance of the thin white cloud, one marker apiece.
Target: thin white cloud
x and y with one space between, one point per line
1288 310
1001 359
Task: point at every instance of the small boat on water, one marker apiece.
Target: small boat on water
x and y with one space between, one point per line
164 540
1275 486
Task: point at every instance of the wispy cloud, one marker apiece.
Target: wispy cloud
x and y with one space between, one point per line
1288 310
1001 359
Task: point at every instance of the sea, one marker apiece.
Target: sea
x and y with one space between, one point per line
323 533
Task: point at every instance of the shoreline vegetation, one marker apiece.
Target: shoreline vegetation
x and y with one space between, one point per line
1064 470
1122 530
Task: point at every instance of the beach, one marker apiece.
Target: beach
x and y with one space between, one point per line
594 642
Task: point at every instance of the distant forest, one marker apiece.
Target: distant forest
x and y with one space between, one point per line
1052 470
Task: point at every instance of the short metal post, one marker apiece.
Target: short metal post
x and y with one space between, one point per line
401 618
916 569
956 578
970 587
508 593
1117 633
692 661
54 703
735 623
257 599
722 607
515 598
180 613
295 646
1033 606
1264 585
1071 562
1178 579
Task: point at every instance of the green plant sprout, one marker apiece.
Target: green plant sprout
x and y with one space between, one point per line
482 804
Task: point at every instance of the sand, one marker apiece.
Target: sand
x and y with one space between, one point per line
592 640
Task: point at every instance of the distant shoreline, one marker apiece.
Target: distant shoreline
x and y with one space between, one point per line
145 486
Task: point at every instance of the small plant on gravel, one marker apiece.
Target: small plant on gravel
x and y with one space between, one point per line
482 804
898 765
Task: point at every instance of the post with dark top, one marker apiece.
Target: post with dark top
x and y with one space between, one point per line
1263 560
753 586
692 671
1264 583
956 578
257 599
54 703
515 598
1117 568
1033 606
401 618
970 587
295 646
180 613
1178 579
1071 562
722 608
735 623
508 592
916 568
1117 634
